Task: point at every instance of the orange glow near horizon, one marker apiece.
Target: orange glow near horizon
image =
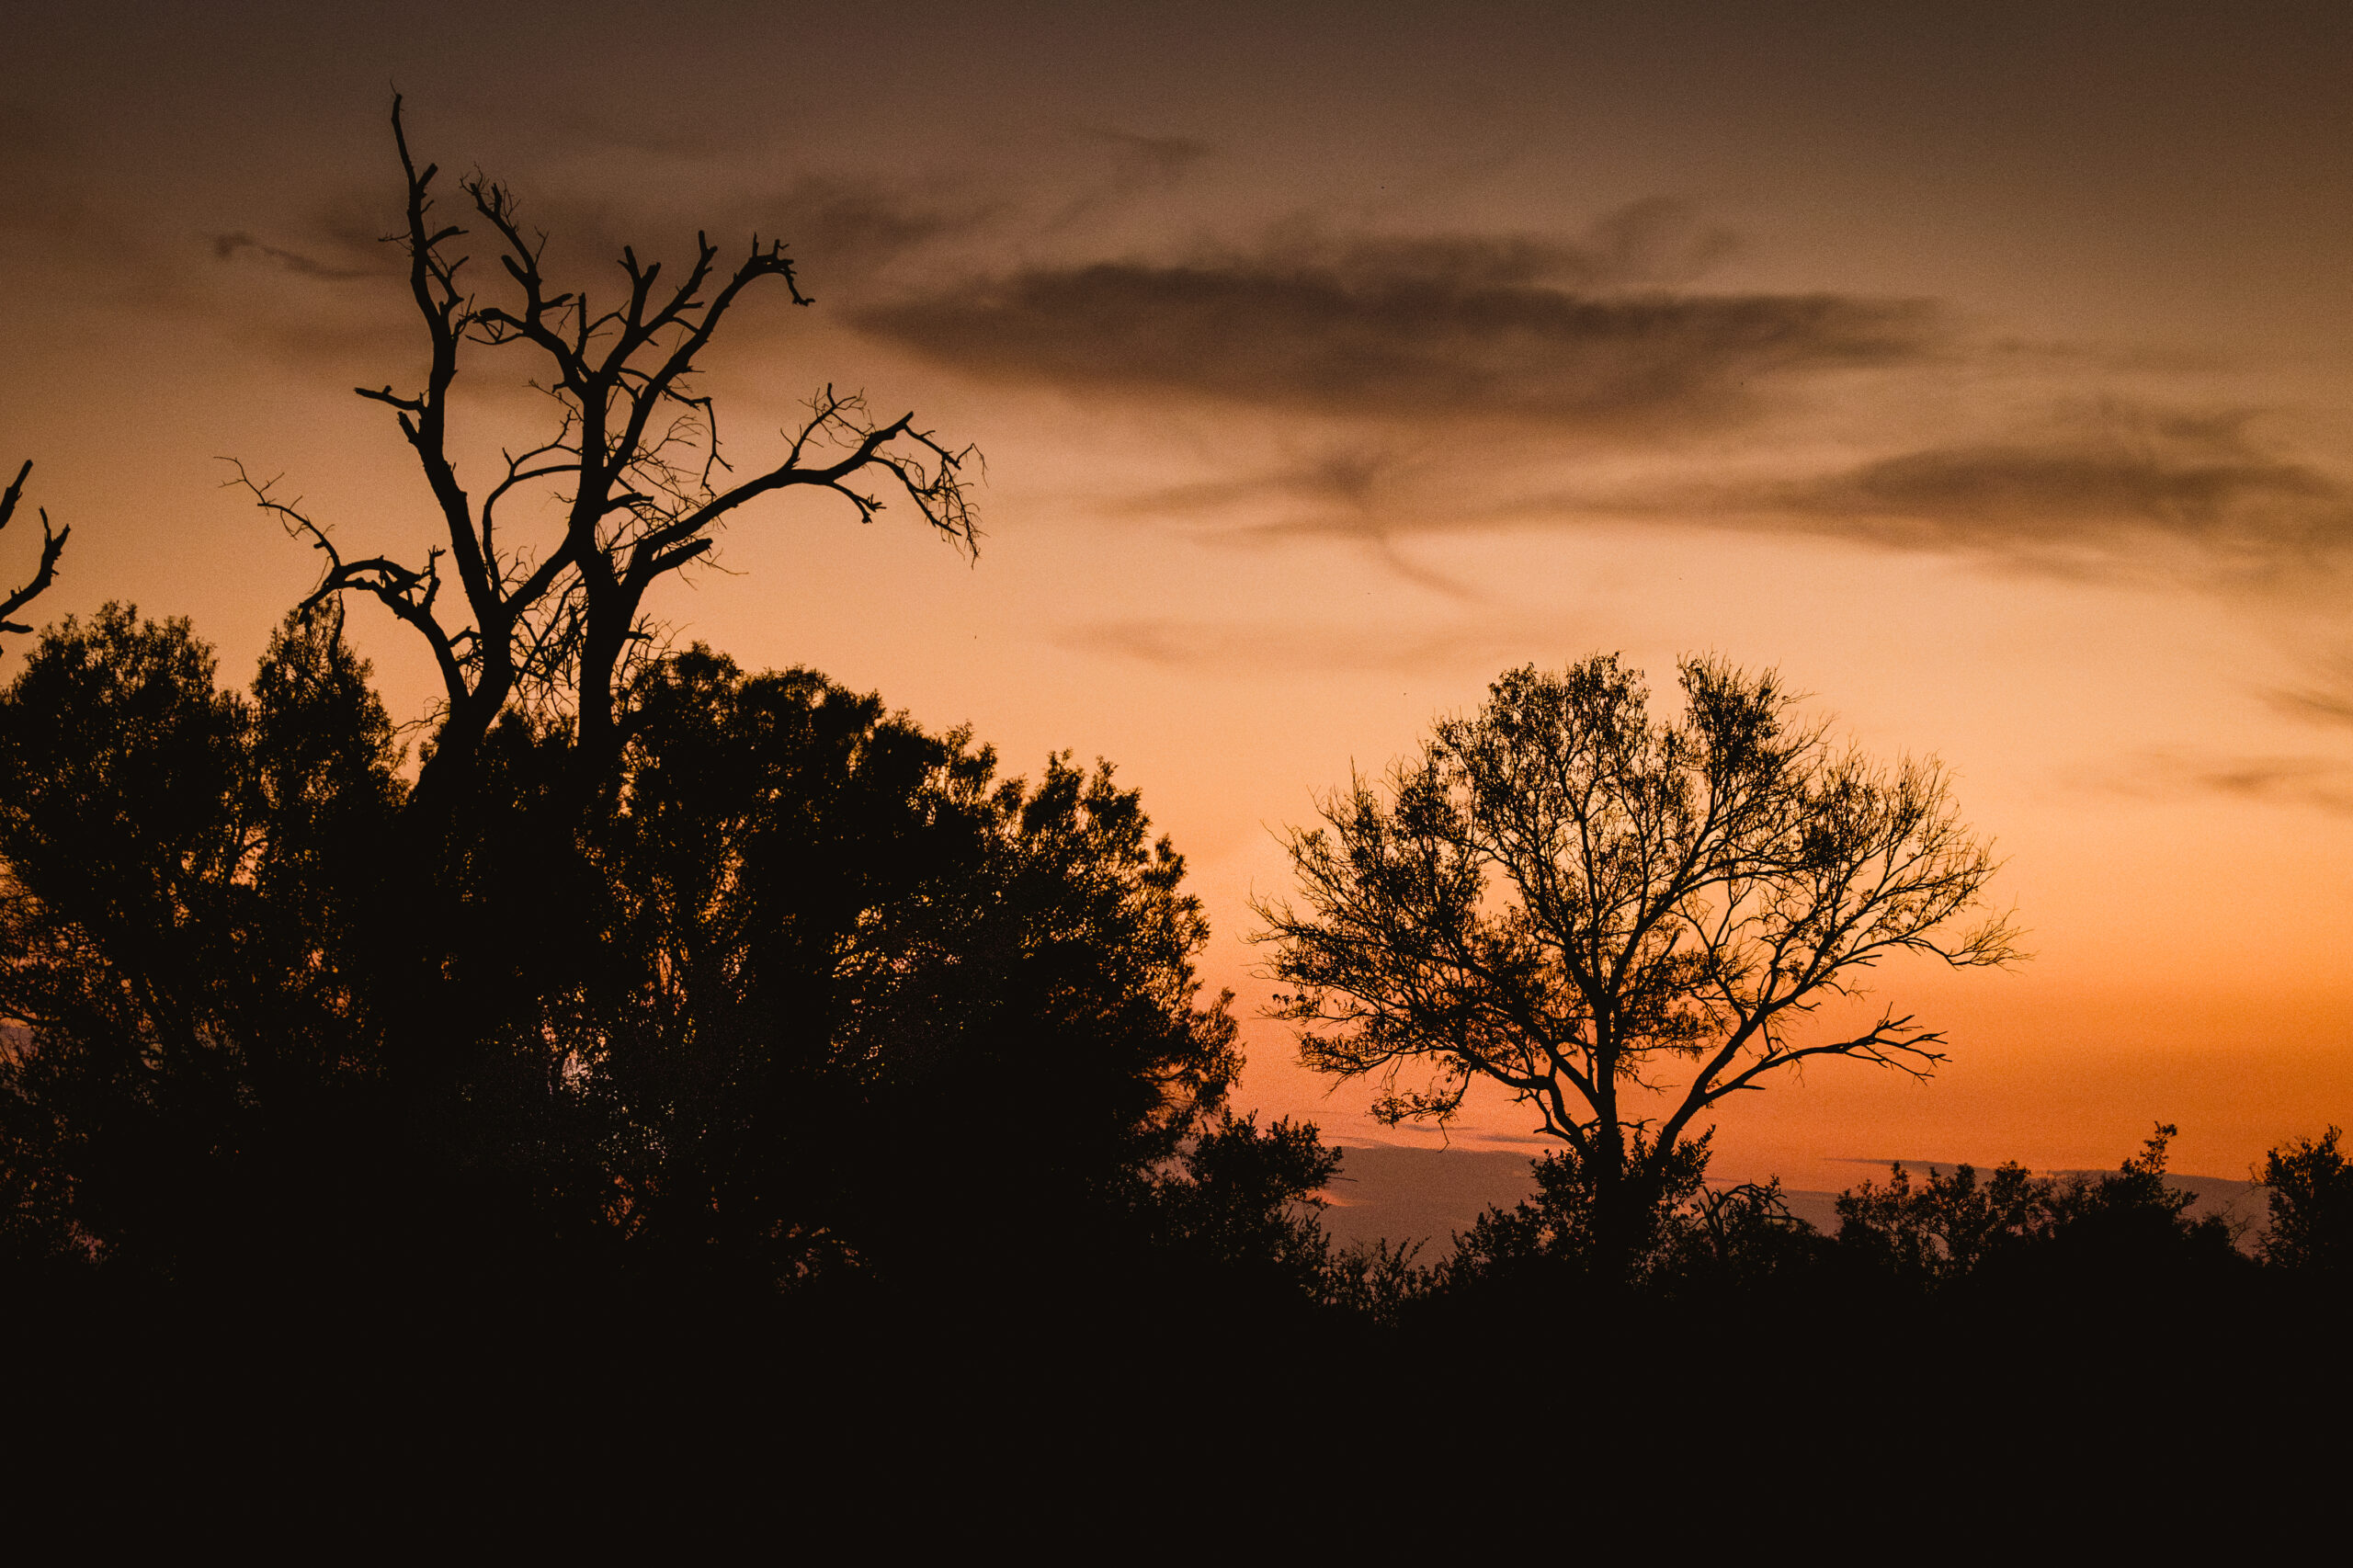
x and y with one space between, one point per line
1999 405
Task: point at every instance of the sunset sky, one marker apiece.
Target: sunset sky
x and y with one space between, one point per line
1988 369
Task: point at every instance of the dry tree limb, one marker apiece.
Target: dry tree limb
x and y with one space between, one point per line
52 545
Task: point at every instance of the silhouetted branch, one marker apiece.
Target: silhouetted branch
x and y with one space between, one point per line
52 545
407 592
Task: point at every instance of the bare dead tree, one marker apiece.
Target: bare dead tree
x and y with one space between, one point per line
52 545
634 460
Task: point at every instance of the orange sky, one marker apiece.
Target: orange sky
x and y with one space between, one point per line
1986 371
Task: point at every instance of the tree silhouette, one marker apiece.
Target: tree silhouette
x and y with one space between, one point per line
2112 1233
2312 1206
634 458
52 545
187 875
489 911
823 998
1576 902
853 972
657 971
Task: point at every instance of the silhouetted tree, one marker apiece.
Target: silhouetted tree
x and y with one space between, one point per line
864 1000
1554 1244
1944 1227
52 545
491 913
857 1007
2311 1197
632 457
2118 1232
183 875
1240 1208
1571 900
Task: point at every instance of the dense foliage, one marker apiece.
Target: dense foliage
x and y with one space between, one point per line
813 994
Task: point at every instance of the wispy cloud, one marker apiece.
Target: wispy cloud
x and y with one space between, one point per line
848 226
2330 701
241 245
2318 783
2116 490
1147 162
1447 329
1250 648
2099 493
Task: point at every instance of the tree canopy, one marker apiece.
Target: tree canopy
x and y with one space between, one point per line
1576 902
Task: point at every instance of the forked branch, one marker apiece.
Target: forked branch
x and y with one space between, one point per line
406 591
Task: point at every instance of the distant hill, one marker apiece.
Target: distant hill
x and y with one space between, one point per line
1398 1194
1388 1192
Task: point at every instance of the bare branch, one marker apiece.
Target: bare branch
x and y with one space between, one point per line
407 592
52 545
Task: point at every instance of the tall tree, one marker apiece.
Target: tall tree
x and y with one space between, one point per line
492 908
1583 904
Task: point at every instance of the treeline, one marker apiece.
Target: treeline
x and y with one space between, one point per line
812 1012
1962 1236
811 1001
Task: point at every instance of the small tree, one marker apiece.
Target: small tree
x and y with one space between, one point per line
2311 1186
1583 904
2103 1232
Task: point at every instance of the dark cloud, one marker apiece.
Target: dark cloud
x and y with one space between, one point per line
2320 782
2098 494
229 247
845 227
2002 493
1461 328
2321 707
2121 490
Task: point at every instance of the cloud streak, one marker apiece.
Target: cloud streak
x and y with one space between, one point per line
2116 492
2210 490
1265 651
229 247
1450 328
2316 783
